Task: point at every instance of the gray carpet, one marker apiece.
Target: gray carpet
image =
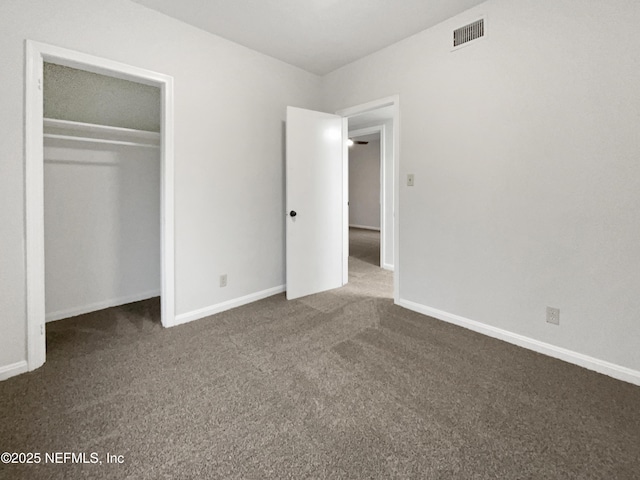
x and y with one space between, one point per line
365 245
338 385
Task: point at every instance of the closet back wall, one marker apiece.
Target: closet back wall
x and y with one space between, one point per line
102 201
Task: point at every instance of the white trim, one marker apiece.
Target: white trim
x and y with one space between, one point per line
36 53
360 132
34 206
228 305
167 210
396 199
364 227
393 101
388 266
367 107
611 369
93 307
345 201
13 369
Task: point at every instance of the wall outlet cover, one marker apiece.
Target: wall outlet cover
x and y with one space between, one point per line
553 315
410 180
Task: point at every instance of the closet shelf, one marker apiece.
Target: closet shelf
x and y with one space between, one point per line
101 134
98 140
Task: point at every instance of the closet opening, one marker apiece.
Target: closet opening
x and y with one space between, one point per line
101 203
99 198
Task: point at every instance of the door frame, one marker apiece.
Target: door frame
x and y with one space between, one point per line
380 130
36 54
392 101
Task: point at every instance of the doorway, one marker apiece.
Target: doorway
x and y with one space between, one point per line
366 179
380 117
36 55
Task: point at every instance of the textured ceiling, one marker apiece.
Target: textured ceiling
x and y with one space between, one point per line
316 35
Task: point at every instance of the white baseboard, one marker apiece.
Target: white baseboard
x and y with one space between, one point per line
387 266
364 227
114 302
13 369
591 363
228 305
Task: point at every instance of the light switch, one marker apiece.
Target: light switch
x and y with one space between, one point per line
410 180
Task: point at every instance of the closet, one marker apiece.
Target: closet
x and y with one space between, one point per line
101 191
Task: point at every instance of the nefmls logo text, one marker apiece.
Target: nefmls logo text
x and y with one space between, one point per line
71 457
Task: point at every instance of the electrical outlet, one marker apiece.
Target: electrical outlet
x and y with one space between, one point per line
553 315
410 180
223 280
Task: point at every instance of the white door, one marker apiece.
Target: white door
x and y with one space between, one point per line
314 202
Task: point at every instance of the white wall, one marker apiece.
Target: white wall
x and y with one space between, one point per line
102 226
364 185
230 105
525 154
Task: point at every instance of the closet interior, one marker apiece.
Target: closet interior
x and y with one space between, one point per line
102 173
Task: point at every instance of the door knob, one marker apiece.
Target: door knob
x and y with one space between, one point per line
293 213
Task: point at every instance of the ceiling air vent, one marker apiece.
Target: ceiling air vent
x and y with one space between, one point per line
468 33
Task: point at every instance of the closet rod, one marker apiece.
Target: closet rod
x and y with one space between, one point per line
98 140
